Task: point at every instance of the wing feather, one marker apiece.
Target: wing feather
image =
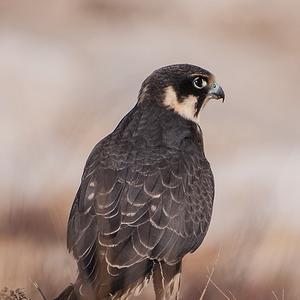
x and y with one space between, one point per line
139 206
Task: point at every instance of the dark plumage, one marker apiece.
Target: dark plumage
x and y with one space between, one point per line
146 194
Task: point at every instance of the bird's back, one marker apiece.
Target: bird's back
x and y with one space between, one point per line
146 196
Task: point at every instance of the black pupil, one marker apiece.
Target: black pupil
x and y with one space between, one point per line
198 82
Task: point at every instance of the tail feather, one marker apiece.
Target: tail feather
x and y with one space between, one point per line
121 283
124 283
67 294
73 292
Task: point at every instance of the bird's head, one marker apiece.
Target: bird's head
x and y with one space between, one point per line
183 88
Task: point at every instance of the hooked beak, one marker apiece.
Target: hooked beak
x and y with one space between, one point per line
216 92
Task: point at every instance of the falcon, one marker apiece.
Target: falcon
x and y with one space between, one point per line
146 194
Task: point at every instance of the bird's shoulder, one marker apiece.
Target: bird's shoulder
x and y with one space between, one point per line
147 136
144 174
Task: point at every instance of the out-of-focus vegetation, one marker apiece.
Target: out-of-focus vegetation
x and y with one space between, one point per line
69 70
18 294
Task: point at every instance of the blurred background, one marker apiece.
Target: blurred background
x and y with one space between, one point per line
69 71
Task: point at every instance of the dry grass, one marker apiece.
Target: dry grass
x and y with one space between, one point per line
18 294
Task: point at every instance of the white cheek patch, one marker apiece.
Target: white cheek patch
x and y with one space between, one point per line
185 108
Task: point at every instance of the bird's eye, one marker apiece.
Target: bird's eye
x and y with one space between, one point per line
199 83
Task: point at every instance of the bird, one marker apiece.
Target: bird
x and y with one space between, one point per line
146 195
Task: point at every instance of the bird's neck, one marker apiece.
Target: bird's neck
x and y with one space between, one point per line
158 126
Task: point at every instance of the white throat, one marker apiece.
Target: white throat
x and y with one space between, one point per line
186 108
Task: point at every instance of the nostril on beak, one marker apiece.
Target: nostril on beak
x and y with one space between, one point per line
216 92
